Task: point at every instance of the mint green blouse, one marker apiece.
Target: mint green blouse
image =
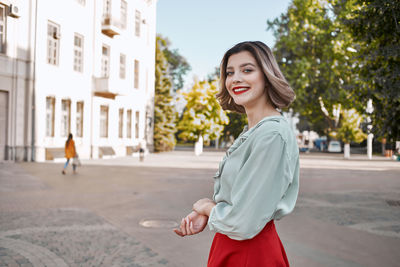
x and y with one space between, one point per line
257 180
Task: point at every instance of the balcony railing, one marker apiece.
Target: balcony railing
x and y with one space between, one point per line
104 87
110 26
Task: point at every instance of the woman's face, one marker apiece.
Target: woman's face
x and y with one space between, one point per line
245 81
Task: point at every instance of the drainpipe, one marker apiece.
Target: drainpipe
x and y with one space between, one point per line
33 152
92 75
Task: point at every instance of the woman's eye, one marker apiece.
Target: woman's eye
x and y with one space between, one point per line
247 70
229 73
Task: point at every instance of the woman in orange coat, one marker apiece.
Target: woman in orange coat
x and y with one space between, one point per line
70 153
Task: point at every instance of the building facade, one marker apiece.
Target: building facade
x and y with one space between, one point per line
88 70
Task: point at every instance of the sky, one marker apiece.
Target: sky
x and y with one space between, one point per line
203 30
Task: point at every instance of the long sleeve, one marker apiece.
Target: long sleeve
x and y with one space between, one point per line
258 189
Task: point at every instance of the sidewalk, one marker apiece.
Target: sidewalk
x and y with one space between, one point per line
347 213
210 160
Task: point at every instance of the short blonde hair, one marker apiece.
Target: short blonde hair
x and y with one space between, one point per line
279 92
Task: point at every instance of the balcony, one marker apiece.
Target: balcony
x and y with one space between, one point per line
105 87
110 26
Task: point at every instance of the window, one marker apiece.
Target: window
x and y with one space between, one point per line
50 108
136 77
103 121
137 125
121 122
105 61
123 14
53 43
65 117
2 29
78 53
82 2
106 8
129 123
79 119
122 66
137 23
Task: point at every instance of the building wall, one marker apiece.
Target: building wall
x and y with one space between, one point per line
61 81
140 48
27 79
16 85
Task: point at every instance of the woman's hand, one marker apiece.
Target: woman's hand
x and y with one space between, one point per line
204 206
194 223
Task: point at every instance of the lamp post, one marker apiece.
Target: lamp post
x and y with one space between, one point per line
369 111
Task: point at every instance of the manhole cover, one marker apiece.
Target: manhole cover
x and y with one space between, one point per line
393 202
158 223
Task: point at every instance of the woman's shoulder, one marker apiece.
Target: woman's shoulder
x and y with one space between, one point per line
276 129
276 125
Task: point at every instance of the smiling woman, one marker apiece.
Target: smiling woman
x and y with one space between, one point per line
258 180
259 57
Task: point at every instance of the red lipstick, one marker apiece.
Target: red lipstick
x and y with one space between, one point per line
240 89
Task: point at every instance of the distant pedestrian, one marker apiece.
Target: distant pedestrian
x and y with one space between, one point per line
258 179
142 145
70 153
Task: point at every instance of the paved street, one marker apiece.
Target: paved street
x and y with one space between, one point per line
348 212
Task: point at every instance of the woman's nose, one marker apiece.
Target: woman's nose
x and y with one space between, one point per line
237 78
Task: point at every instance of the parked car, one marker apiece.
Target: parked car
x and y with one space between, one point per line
321 143
303 149
334 146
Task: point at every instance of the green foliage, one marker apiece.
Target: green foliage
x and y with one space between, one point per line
203 115
164 113
177 67
313 52
376 27
342 52
237 121
170 69
349 130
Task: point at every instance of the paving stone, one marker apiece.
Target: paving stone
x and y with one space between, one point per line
342 217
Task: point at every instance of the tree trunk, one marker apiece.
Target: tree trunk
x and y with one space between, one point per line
346 151
198 146
369 145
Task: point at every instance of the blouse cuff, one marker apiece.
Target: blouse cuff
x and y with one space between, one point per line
210 220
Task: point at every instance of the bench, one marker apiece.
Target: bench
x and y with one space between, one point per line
54 153
106 151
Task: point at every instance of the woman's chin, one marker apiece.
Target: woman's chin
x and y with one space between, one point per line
240 102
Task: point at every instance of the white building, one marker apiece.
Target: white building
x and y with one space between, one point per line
84 67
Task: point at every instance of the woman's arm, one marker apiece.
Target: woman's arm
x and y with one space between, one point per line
204 206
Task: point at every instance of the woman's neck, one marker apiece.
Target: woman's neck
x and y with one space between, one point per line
254 116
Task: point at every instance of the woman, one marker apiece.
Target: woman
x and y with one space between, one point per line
70 153
258 179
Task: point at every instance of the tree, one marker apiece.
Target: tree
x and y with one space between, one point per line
313 52
237 121
170 69
164 113
376 26
177 66
202 116
350 130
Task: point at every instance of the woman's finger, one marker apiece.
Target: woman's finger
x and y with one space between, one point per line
178 232
183 227
188 226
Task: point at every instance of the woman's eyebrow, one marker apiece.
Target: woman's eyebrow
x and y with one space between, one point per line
242 65
245 64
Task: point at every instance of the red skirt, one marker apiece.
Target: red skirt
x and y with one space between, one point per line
265 249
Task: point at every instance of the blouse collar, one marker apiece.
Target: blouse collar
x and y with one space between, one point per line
247 132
